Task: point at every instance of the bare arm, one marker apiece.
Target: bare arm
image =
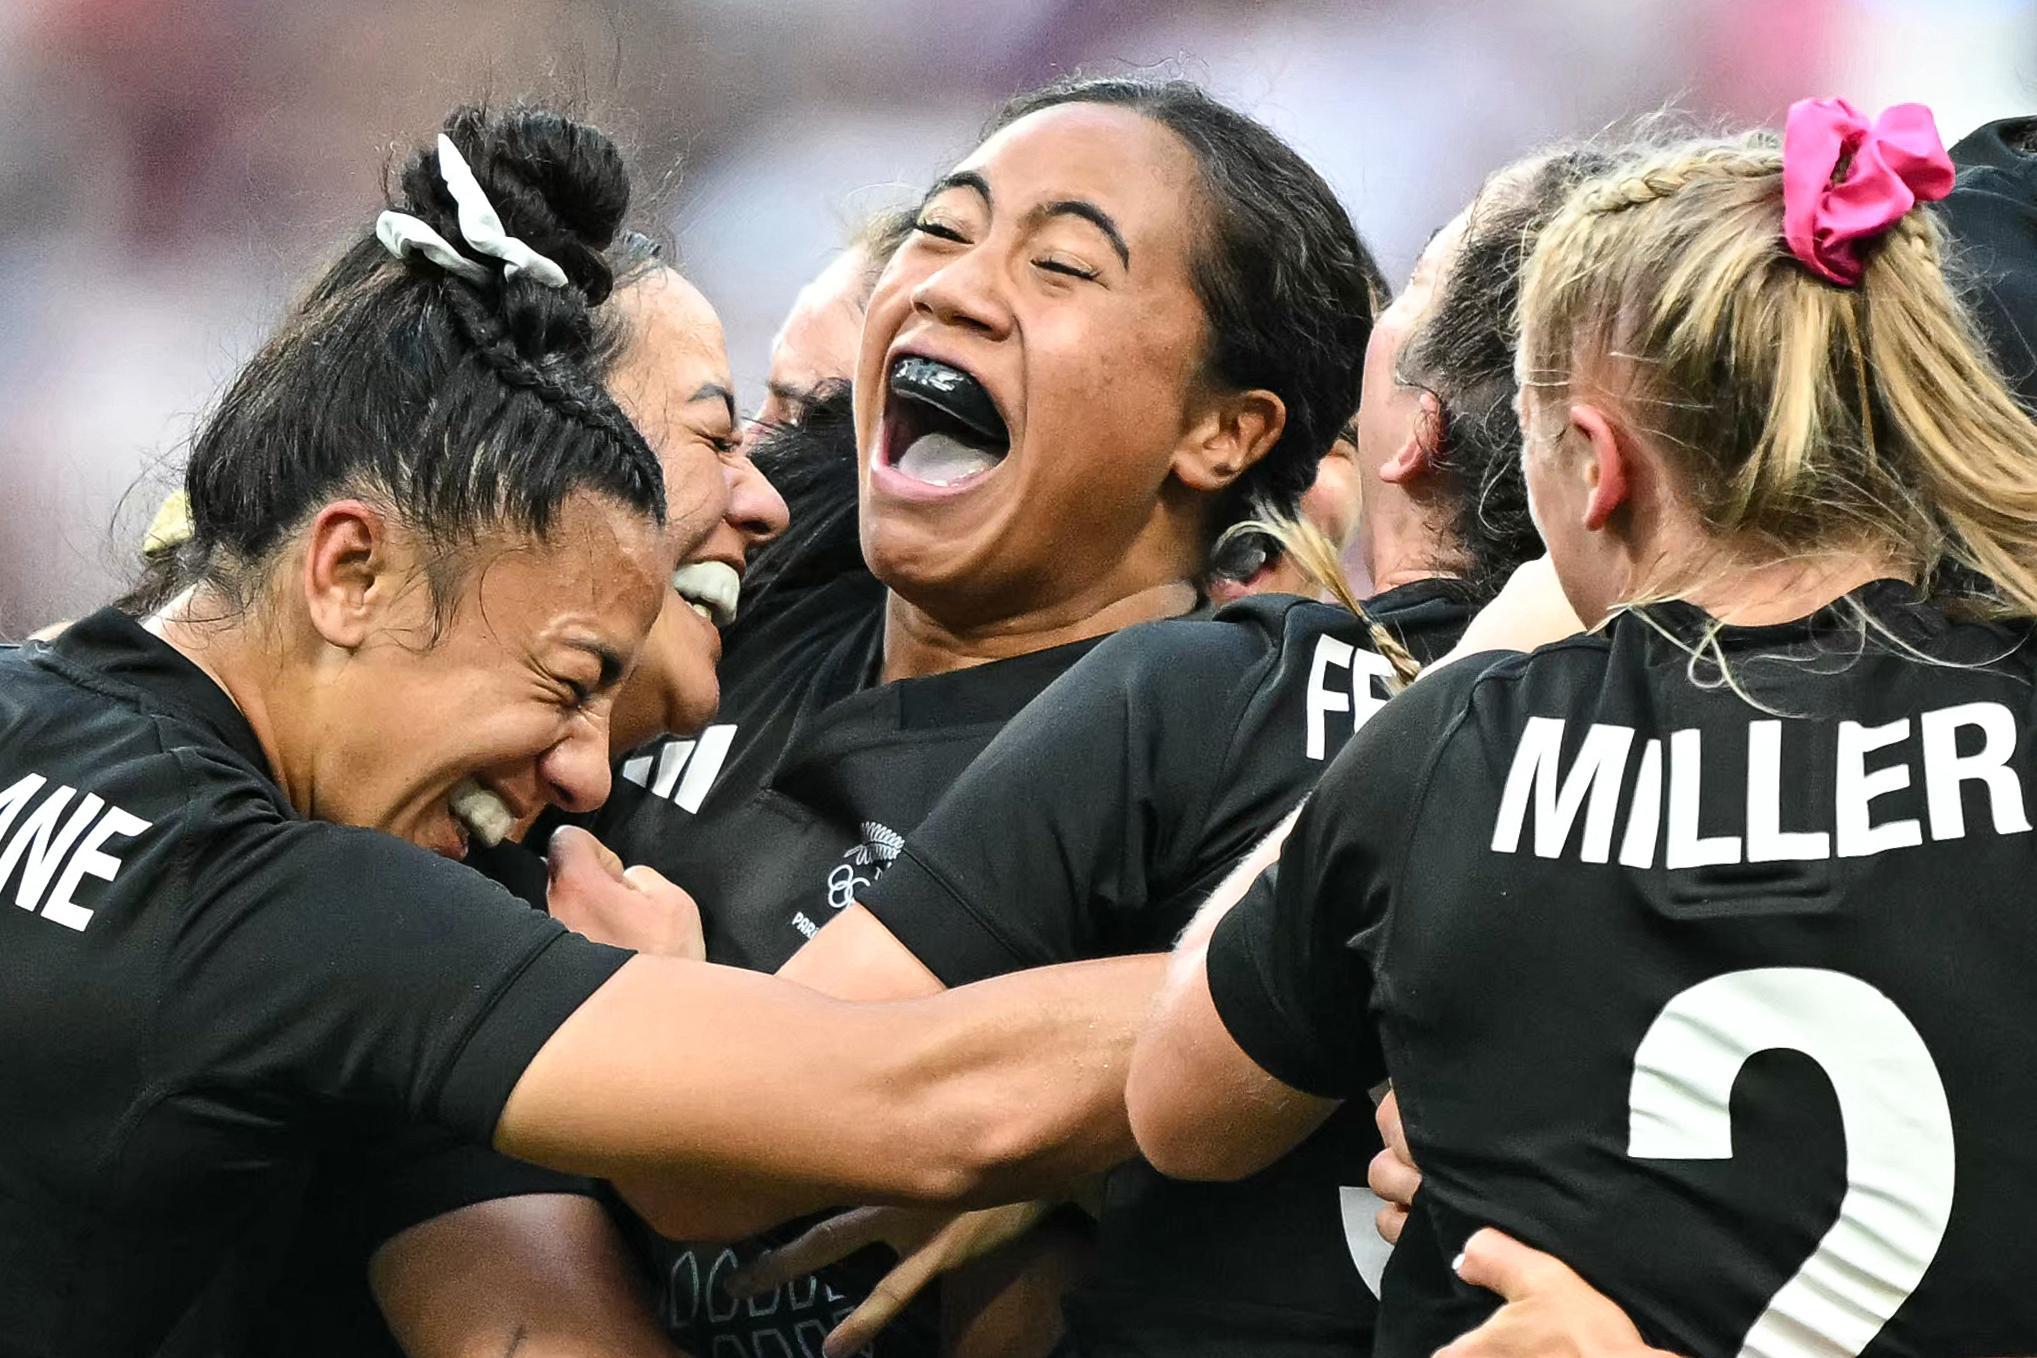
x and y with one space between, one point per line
542 1275
856 958
1199 1106
696 1077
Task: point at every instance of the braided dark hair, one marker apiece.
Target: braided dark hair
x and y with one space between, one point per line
466 408
1288 290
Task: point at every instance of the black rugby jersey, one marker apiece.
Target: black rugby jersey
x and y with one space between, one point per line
198 980
775 818
1719 991
1094 826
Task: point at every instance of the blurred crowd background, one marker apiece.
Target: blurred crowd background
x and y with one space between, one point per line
169 169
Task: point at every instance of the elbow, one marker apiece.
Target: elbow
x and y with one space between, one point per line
1177 1135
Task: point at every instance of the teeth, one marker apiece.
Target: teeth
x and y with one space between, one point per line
486 816
712 587
942 460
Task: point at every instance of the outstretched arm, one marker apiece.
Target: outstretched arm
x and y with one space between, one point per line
696 1078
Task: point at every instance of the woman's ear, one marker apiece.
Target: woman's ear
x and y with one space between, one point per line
1606 467
346 569
1416 456
1235 432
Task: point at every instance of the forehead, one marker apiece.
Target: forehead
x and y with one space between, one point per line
1134 168
601 567
673 335
818 339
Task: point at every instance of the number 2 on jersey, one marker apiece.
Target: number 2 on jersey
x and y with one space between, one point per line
1899 1149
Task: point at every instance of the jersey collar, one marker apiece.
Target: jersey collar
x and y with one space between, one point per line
110 646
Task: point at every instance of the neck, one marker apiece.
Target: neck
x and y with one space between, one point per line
1406 538
244 671
1741 595
1402 546
916 643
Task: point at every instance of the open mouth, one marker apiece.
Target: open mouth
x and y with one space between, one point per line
942 428
710 588
481 813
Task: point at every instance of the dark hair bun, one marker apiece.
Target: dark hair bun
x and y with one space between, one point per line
560 186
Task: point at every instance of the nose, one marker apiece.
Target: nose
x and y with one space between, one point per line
575 771
756 509
967 291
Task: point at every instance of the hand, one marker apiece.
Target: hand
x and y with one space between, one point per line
929 1243
1550 1312
591 893
1392 1174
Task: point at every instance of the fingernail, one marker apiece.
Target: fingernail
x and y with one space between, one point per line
1457 1264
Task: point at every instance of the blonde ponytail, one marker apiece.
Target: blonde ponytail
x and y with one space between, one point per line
1805 417
1310 548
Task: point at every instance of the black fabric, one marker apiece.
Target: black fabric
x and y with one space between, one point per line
1095 825
1824 883
1991 215
204 979
776 818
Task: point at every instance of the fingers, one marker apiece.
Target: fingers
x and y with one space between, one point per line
683 934
1392 1179
834 1239
891 1295
1390 1221
1496 1261
573 854
1391 1130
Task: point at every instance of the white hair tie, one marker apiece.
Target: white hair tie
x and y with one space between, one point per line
401 233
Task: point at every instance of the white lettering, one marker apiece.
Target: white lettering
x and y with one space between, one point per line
32 839
16 797
1945 768
1685 848
1857 787
1322 699
89 861
1767 841
1601 762
1644 817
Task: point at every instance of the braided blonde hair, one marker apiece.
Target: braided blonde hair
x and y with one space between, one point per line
1311 549
1803 417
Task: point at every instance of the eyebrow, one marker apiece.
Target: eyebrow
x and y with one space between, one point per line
1088 212
960 179
1060 207
715 391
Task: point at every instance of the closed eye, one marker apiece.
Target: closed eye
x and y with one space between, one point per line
939 231
1067 269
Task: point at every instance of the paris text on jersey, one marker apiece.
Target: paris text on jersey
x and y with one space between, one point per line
50 847
1951 746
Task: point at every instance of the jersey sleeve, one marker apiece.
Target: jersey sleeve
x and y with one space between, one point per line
1051 842
346 965
1291 966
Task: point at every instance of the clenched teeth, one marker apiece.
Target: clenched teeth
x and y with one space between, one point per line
484 814
712 588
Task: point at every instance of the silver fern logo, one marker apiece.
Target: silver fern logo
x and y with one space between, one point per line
863 864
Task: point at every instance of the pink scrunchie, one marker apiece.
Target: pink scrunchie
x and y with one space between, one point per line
1893 163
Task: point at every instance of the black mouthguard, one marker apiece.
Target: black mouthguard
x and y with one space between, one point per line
952 392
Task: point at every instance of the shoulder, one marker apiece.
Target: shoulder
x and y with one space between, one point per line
1235 643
